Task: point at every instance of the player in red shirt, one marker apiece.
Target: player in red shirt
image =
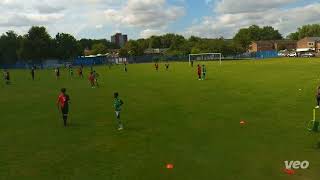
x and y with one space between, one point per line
92 79
156 66
63 105
199 71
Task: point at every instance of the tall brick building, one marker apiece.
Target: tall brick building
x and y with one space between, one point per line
119 39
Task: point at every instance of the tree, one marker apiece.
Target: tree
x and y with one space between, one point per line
194 39
99 48
37 45
88 44
66 46
177 42
269 33
143 43
293 36
311 30
155 42
134 49
245 36
9 47
195 50
167 40
123 52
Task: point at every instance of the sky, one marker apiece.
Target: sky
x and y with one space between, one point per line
143 18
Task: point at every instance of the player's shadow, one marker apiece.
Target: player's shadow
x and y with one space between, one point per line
75 125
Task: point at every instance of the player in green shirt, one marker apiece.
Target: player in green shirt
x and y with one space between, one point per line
117 107
71 71
96 76
204 72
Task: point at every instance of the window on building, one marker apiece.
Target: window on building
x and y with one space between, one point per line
311 44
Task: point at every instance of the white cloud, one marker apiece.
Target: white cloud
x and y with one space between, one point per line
242 6
71 16
145 14
85 18
151 32
20 20
285 20
99 26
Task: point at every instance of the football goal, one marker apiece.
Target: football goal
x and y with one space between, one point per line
206 57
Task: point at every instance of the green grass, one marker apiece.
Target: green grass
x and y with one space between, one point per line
170 117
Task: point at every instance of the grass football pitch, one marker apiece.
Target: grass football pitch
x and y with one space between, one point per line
170 118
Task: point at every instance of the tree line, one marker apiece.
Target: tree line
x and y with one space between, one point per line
37 45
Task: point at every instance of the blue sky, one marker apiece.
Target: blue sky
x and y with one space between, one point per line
143 18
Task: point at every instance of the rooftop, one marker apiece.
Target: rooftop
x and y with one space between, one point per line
313 38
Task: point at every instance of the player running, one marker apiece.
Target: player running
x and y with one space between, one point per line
80 72
6 77
318 98
63 105
92 80
167 66
96 76
57 71
199 71
125 67
204 72
156 65
33 69
117 106
71 71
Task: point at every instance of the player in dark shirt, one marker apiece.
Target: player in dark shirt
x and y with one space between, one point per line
125 67
33 72
63 105
80 72
156 66
199 71
6 76
318 97
57 71
167 66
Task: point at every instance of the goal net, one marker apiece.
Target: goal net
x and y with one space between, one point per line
206 57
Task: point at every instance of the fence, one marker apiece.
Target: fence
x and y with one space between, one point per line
90 61
265 54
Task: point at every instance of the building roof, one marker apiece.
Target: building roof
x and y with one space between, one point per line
285 41
313 38
262 42
275 41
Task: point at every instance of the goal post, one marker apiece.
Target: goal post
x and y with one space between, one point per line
205 57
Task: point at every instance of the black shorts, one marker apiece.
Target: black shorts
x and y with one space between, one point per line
65 110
